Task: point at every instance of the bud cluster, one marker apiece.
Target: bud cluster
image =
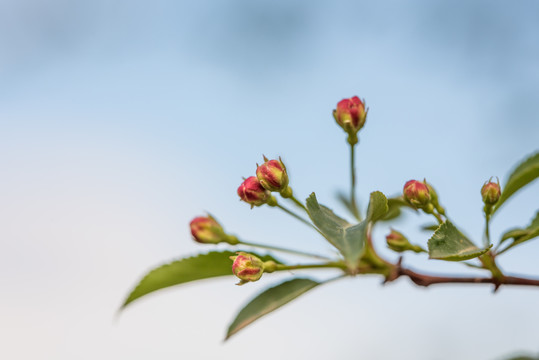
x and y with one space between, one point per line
271 176
252 192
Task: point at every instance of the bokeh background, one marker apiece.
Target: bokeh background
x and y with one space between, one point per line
122 120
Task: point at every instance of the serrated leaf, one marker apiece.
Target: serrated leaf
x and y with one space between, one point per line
378 207
268 301
523 174
347 238
522 235
448 243
194 268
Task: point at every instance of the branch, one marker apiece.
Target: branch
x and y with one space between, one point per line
427 280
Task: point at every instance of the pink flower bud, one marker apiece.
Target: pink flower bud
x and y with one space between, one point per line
416 193
252 192
247 267
272 175
399 243
350 115
491 193
396 241
206 230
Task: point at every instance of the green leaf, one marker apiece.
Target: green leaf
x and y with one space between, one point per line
430 227
523 174
199 267
448 243
522 235
378 207
347 238
268 301
394 208
515 233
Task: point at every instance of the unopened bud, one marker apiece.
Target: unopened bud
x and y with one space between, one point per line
252 192
396 241
272 175
491 193
206 230
351 115
416 193
247 267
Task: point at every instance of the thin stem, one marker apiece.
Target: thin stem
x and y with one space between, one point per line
290 251
298 203
293 214
290 212
487 232
353 201
337 265
438 217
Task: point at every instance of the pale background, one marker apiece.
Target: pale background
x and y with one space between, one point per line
122 120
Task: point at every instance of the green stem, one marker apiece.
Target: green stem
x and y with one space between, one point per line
487 232
489 263
353 201
290 251
337 265
418 249
438 217
293 214
504 250
298 203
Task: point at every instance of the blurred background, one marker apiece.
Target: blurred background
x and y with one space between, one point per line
122 120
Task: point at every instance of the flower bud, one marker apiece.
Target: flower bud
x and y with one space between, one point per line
396 241
252 192
247 267
272 175
206 230
416 193
491 193
351 115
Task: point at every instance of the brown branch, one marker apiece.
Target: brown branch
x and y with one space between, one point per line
427 280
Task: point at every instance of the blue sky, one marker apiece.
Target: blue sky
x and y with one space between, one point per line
120 121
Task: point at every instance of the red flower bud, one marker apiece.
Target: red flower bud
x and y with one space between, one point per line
206 230
350 115
416 193
247 267
252 192
491 193
399 243
272 175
